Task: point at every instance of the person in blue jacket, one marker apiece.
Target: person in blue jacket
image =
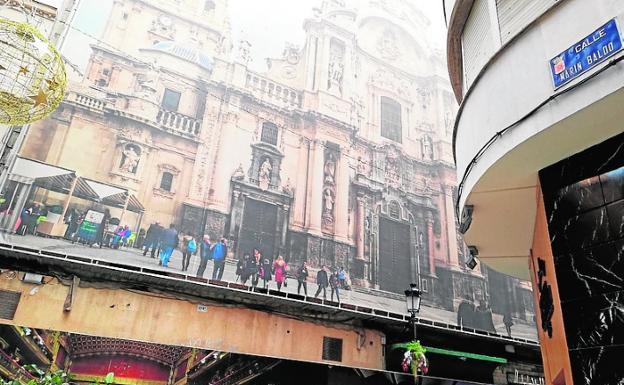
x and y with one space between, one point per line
219 252
169 242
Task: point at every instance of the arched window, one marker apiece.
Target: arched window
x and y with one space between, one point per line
269 133
391 119
166 181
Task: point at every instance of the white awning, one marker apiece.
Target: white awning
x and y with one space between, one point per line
104 190
27 170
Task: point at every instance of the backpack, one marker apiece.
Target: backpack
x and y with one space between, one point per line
191 246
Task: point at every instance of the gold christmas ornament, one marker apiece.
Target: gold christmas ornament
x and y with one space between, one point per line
32 74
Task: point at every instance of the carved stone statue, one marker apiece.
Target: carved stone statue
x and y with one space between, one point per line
330 170
335 70
264 176
288 187
239 174
427 147
244 52
129 159
328 200
361 166
147 83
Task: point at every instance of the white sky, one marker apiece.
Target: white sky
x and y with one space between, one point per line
267 24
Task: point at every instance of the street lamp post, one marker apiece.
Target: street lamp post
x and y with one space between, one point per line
412 301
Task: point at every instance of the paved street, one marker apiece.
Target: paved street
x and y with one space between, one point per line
135 257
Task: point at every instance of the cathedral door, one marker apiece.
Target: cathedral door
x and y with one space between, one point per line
258 229
394 256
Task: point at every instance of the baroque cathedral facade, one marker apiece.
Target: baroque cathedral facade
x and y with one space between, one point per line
339 154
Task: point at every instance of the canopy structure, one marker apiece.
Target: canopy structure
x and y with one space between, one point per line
54 178
107 194
65 181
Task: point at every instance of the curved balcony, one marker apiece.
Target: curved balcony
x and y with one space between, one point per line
512 123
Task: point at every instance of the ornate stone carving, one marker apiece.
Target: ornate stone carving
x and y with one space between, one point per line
288 188
239 174
131 155
244 52
336 66
147 83
392 170
387 45
264 173
291 53
329 191
427 147
389 81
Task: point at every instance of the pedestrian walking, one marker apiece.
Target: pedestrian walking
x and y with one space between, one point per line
245 269
219 253
342 277
205 254
334 284
169 242
152 239
322 281
189 248
302 278
265 272
71 219
279 269
508 321
99 236
240 264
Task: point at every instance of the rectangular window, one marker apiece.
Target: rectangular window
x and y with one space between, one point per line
166 181
269 133
391 119
171 100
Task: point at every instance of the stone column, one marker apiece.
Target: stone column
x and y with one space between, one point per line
300 202
341 213
431 244
359 228
315 189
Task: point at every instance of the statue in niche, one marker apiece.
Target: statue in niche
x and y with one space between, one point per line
264 175
336 67
330 170
427 148
239 174
130 159
329 199
329 191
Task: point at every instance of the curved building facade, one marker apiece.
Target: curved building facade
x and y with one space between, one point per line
539 150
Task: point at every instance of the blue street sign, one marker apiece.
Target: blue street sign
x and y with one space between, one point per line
586 54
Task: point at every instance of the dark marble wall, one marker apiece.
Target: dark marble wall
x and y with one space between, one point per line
584 199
